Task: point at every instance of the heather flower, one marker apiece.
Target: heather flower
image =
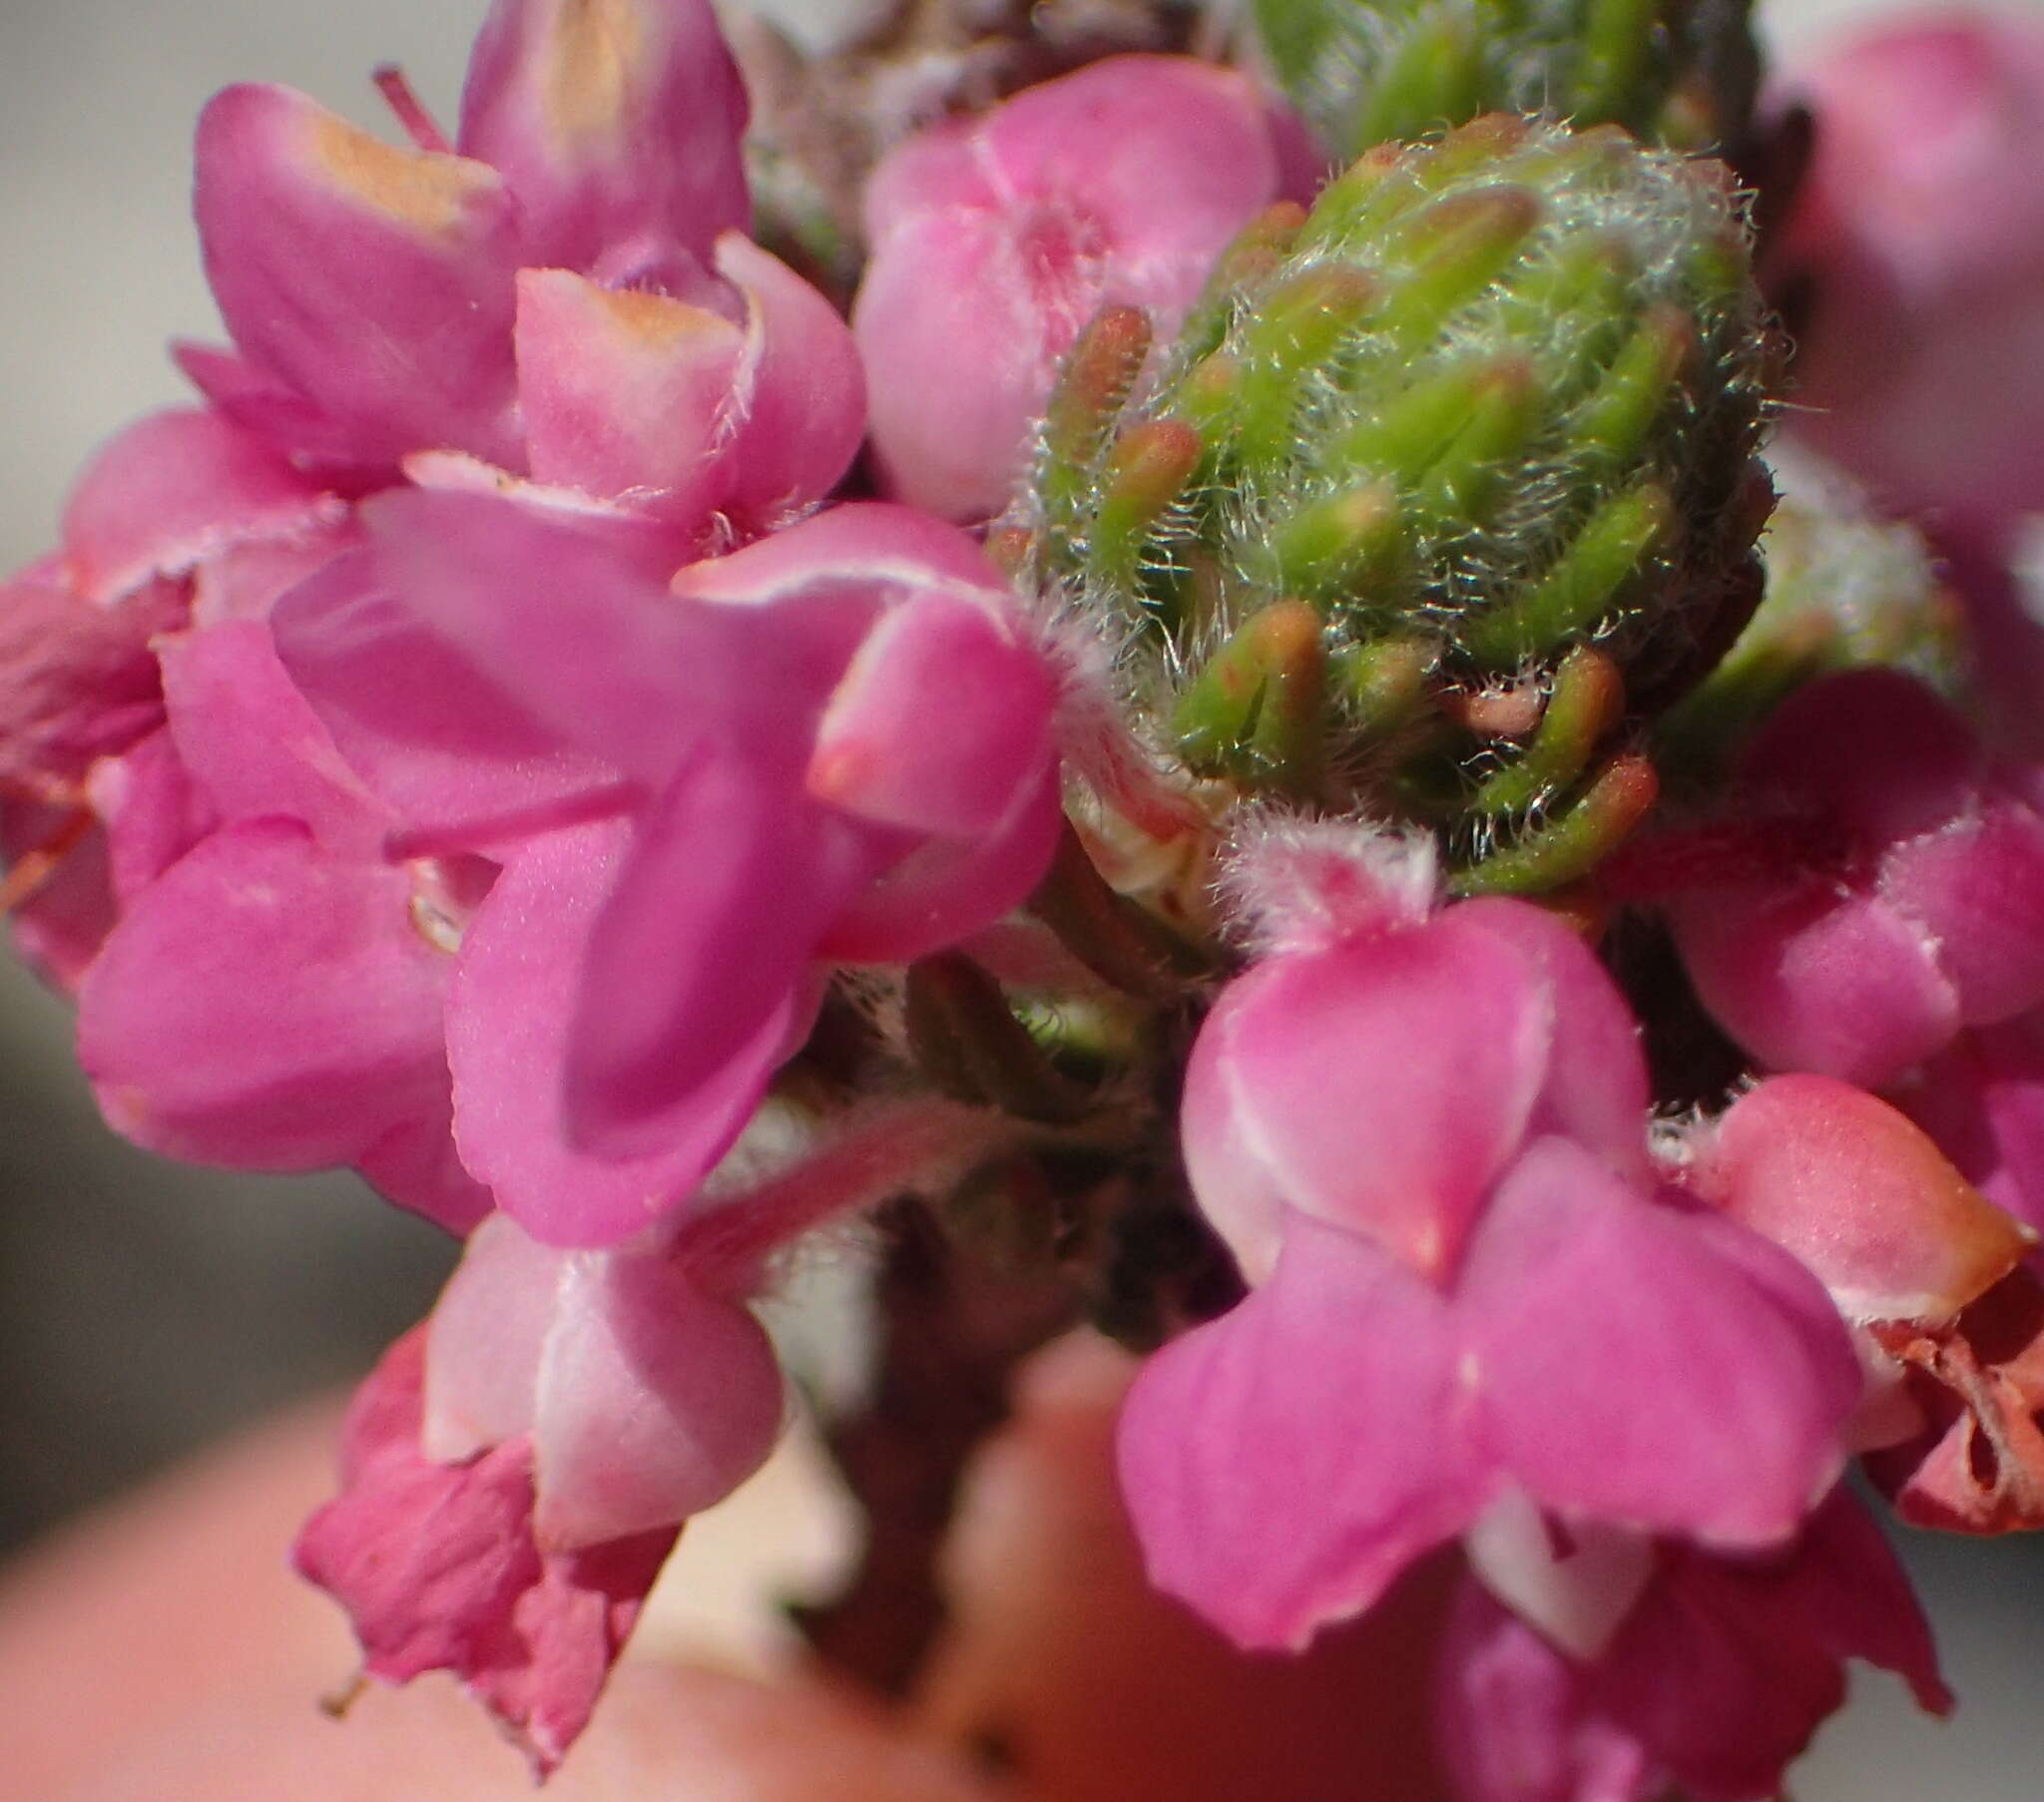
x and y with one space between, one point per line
1426 1148
995 240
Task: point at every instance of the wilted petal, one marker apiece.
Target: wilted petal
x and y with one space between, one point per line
264 1005
613 121
375 282
1285 1463
1649 1367
437 1568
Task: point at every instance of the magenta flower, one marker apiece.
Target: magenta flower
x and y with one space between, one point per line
832 747
994 240
1912 905
1715 1681
1426 1148
1921 227
439 1567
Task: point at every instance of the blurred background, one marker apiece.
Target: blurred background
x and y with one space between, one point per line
146 1307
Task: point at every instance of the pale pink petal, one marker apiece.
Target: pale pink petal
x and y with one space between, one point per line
1650 1366
940 723
1170 156
416 1165
804 411
1860 1196
509 1012
264 1005
175 489
655 1401
940 169
1381 1086
961 340
485 1339
1285 1463
623 393
373 282
611 120
1809 976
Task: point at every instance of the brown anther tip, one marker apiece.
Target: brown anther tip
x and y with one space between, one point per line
1288 630
1511 710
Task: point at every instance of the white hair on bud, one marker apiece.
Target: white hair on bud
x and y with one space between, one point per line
1291 884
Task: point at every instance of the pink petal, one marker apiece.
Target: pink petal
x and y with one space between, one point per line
485 1339
264 1005
1875 749
152 810
175 489
1283 1464
612 121
1170 154
940 723
655 1401
432 736
623 393
415 1165
1648 1367
806 388
1860 1196
570 618
697 979
1983 1102
509 1011
373 282
1977 888
1806 977
945 892
58 930
1595 1091
1380 1087
253 746
894 551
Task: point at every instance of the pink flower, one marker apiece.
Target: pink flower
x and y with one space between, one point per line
1922 230
1715 1681
1425 1145
439 1567
994 240
832 747
372 292
1911 906
272 999
1982 1099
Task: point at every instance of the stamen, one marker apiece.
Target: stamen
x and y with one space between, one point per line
36 866
410 109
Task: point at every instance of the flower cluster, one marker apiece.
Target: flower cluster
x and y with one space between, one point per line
1217 734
